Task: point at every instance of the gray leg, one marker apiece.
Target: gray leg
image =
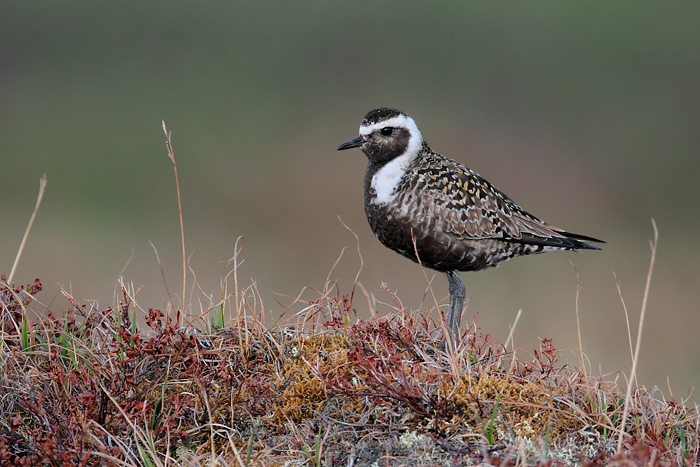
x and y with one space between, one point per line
454 312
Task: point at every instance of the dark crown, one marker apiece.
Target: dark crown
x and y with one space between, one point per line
382 113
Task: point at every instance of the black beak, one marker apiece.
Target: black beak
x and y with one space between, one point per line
353 143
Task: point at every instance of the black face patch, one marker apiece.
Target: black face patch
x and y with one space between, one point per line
381 148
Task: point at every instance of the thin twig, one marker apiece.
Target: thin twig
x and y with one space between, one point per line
627 316
635 359
430 288
512 330
362 262
171 155
162 273
42 187
578 330
138 432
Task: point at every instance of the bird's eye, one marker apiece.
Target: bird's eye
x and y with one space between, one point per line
387 130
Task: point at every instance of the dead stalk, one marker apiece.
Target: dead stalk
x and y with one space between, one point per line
578 330
635 359
42 187
171 155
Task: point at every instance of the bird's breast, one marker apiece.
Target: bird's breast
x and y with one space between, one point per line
407 226
381 183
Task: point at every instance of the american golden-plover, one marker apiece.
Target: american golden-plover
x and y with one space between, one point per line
419 201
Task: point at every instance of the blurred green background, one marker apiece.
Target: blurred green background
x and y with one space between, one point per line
588 115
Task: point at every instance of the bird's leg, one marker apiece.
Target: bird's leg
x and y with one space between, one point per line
454 312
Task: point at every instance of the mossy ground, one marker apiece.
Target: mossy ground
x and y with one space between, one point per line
321 386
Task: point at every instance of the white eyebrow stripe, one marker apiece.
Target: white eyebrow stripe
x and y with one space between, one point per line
399 121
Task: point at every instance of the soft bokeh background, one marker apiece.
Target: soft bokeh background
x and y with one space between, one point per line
588 115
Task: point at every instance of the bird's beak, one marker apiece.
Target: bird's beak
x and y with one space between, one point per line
353 143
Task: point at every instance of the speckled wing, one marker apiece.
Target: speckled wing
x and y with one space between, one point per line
468 207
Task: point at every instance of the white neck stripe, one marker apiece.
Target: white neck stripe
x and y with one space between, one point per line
385 181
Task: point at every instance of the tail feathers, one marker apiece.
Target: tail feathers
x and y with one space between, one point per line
581 237
580 241
568 240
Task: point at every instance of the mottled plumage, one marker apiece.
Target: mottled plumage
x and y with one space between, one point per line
459 221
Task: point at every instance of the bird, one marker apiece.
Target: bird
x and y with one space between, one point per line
441 214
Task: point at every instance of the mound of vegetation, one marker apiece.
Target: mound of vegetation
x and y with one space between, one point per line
125 386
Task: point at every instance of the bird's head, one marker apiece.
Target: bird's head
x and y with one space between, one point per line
386 134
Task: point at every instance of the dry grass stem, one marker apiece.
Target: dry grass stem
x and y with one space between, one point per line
627 316
512 329
42 188
635 359
578 330
171 155
359 254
